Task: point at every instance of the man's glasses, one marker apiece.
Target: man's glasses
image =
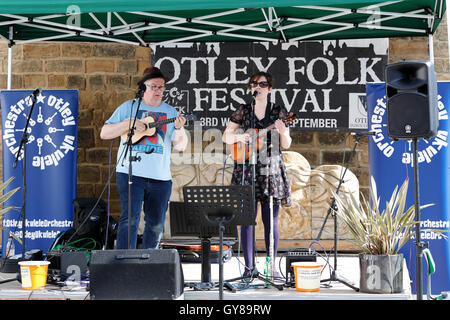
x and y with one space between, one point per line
154 88
262 84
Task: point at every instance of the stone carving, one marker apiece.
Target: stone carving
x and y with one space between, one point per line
311 191
325 179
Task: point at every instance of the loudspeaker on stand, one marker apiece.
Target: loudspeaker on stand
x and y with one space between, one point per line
411 100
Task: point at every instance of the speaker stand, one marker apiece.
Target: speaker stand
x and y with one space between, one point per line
419 245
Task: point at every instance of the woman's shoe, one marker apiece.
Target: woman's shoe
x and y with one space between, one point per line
251 272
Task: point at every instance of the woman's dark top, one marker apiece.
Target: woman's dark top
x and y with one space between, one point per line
269 157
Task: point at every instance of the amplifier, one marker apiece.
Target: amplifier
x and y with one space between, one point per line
68 264
297 255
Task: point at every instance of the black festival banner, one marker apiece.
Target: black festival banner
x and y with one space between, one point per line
321 82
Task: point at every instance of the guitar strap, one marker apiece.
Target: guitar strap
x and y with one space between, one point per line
267 121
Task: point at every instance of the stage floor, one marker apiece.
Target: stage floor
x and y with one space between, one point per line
347 268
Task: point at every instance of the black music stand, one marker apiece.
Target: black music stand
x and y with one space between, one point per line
183 224
217 210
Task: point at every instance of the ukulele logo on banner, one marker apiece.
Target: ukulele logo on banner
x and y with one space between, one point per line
49 136
426 150
50 171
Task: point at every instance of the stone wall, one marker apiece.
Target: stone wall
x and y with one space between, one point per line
106 75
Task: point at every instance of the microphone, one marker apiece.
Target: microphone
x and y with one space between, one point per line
255 93
140 91
142 88
363 133
35 92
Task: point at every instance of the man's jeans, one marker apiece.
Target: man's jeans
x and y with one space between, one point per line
155 194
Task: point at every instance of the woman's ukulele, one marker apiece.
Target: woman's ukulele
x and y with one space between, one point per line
150 128
240 154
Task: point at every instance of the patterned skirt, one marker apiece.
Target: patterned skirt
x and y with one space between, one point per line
271 180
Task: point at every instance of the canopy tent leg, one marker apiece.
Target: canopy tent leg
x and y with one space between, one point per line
10 45
431 48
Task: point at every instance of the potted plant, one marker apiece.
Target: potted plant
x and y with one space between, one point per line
380 235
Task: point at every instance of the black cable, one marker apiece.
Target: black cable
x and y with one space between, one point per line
11 232
341 177
109 195
279 265
343 157
98 200
327 260
242 183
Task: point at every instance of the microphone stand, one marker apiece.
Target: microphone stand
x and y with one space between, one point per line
23 144
252 162
271 232
132 158
358 135
334 275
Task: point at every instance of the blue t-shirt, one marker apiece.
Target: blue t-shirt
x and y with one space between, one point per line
155 165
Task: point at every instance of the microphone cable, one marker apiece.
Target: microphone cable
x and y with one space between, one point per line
11 233
326 258
109 197
246 283
107 185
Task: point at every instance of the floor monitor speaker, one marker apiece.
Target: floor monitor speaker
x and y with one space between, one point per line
136 274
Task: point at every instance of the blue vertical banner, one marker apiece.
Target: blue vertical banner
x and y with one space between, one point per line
51 164
391 162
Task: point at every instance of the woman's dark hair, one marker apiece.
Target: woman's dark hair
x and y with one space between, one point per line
258 75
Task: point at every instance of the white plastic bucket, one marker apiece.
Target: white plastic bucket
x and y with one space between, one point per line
307 276
34 274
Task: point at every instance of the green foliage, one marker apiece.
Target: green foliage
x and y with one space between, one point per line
5 197
375 232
